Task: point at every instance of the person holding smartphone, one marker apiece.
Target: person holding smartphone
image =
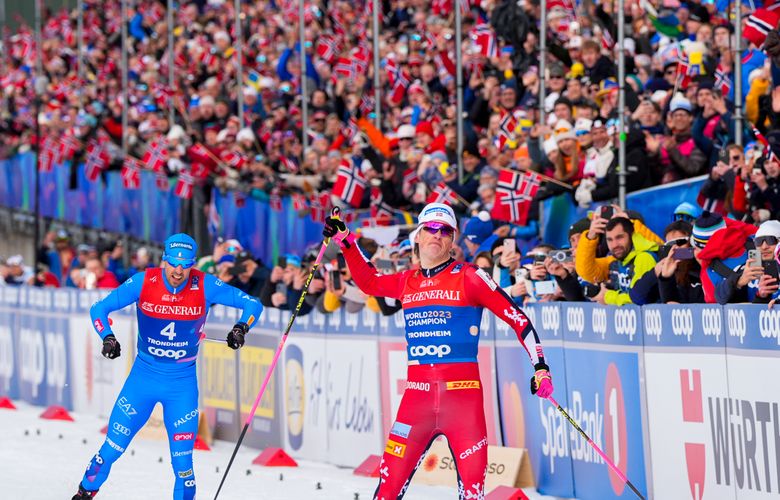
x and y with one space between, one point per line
766 240
443 302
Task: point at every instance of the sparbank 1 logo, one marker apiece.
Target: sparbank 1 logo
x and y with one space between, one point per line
682 323
653 324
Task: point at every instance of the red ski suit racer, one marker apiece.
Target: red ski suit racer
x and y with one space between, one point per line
442 310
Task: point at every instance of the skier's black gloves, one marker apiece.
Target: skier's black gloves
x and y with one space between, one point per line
111 347
235 339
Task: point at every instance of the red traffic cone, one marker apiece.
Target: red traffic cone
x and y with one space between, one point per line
55 412
201 444
7 403
274 457
369 467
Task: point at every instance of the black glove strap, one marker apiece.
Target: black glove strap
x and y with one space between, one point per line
541 366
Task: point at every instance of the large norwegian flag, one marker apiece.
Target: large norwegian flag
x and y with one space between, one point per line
184 185
484 40
506 129
156 155
350 183
97 160
131 173
514 193
442 193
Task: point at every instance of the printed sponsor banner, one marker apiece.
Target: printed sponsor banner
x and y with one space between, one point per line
97 380
352 397
42 358
305 412
747 419
684 359
528 421
254 363
9 380
218 383
602 347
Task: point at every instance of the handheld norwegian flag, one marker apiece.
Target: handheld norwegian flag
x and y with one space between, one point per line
327 48
275 200
320 206
350 183
235 159
48 155
381 212
288 164
239 198
409 182
156 156
722 81
400 84
345 68
442 193
761 138
484 40
299 202
97 160
131 173
161 181
514 193
68 147
183 187
506 129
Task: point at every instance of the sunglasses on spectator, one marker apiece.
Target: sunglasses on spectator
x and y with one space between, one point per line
437 227
679 242
684 217
769 240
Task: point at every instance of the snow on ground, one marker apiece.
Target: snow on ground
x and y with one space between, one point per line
45 459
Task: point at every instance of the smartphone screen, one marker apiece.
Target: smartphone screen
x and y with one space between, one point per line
281 262
607 212
771 268
335 279
685 253
341 261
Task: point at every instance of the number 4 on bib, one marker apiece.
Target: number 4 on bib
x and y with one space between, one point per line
168 331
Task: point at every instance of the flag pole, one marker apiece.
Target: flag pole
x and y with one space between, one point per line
171 80
459 87
542 65
377 5
304 92
240 63
621 105
738 118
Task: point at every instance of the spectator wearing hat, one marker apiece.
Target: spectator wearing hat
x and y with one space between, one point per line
598 159
246 274
17 273
57 253
766 241
678 155
285 285
478 235
724 190
720 246
565 273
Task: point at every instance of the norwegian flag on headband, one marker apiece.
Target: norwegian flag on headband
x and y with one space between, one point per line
484 40
156 155
350 183
442 193
97 160
514 193
184 185
131 173
506 129
320 206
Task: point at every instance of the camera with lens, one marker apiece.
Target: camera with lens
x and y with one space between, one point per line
562 256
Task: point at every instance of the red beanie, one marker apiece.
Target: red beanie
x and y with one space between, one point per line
424 128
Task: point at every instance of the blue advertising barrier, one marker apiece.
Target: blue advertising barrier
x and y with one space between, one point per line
681 397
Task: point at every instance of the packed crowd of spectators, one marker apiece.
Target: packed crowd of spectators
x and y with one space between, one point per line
680 93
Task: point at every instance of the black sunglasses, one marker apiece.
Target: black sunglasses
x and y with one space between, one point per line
679 242
769 240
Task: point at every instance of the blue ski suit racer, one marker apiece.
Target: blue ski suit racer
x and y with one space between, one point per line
170 330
